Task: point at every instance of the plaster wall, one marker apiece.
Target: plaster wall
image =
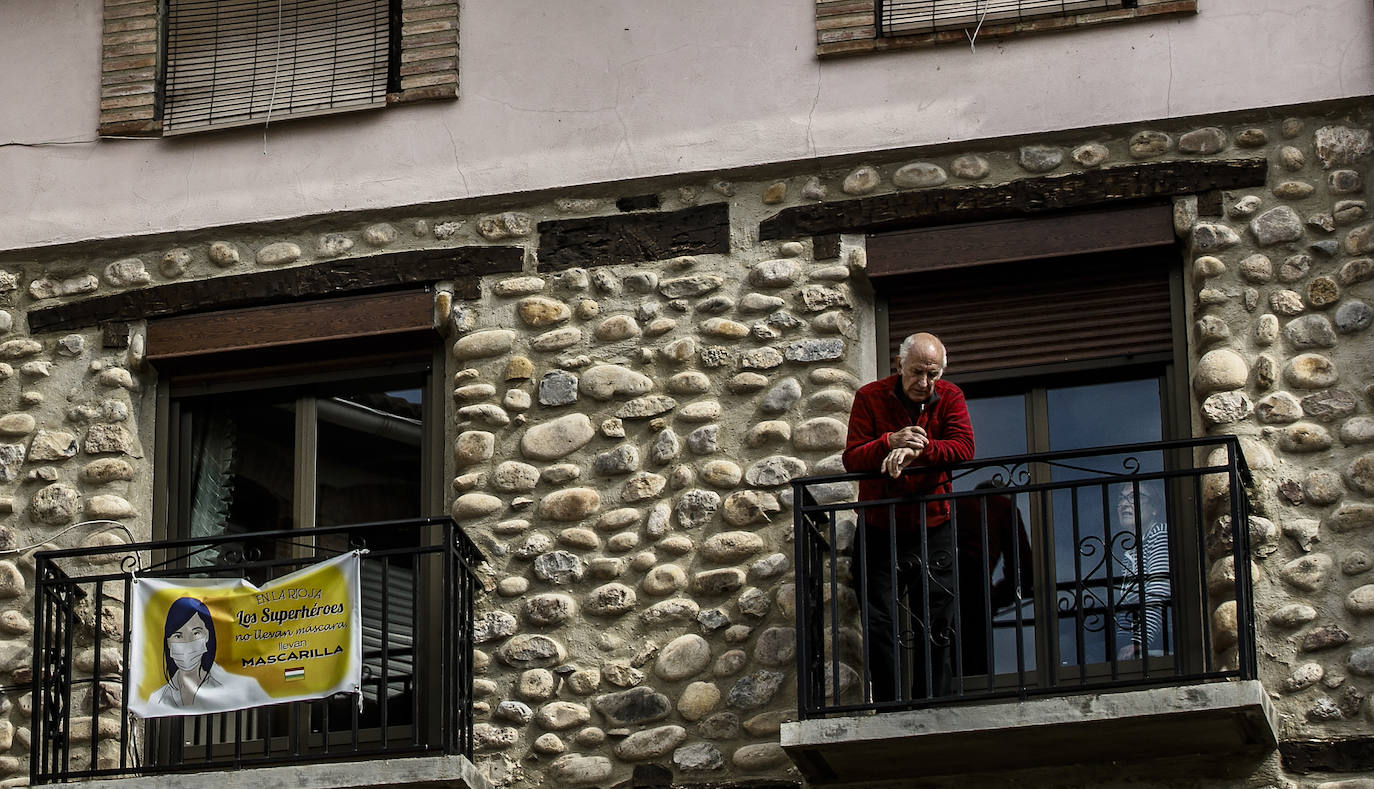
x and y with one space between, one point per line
556 94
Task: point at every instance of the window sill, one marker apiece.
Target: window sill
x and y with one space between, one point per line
421 771
853 33
1216 718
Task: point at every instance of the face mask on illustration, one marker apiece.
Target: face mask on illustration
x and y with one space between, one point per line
187 654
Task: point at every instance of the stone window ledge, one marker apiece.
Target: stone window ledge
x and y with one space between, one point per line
846 27
454 772
1216 718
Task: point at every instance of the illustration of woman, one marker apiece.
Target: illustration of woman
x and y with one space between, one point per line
188 653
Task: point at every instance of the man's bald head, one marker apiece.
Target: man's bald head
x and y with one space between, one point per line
921 359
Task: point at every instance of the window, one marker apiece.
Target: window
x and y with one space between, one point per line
896 17
1061 353
321 413
235 63
174 66
846 27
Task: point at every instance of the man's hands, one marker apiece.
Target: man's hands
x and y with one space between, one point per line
906 445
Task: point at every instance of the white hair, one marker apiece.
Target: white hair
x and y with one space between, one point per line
910 340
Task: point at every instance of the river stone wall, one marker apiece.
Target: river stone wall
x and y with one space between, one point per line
620 437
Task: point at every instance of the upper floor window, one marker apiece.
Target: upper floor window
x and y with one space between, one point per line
847 27
896 17
172 66
245 62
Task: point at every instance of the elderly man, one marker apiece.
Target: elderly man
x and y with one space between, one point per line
899 425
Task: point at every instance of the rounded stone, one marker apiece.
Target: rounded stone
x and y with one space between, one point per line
573 770
1353 316
731 546
683 657
483 344
224 254
1310 371
17 424
473 446
1147 144
105 505
768 432
558 567
759 757
861 181
613 599
514 476
776 646
970 167
549 609
721 473
562 715
475 505
1310 331
1304 437
549 745
1278 408
1091 155
918 175
650 743
1286 302
1225 408
1322 487
1205 141
1220 370
1293 615
778 273
55 504
691 382
1359 430
1359 475
539 312
700 411
820 434
557 438
616 328
664 579
1360 602
1322 292
556 339
1040 158
1307 573
697 700
278 254
531 650
1302 677
570 504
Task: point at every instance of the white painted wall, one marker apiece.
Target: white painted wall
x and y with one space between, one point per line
557 93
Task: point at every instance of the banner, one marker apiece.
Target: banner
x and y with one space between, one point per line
202 645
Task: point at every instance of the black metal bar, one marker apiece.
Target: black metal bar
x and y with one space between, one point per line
1112 649
834 621
1079 618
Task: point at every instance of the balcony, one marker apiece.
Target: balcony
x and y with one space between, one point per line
1044 611
411 726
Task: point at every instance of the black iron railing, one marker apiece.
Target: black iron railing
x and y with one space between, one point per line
418 586
1109 568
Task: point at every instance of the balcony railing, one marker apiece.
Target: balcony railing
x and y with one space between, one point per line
418 586
1092 570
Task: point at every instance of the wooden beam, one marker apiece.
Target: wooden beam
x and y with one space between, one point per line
1344 755
1023 197
634 238
1008 240
463 265
255 328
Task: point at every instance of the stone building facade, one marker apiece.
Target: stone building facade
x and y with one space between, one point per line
632 393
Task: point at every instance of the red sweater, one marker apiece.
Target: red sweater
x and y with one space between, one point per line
878 411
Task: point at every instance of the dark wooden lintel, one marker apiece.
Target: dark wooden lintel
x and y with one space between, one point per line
1347 755
1024 197
634 238
348 275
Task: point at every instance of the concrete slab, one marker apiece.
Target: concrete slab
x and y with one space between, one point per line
449 772
1216 718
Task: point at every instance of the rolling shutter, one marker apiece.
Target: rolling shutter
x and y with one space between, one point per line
234 62
1023 314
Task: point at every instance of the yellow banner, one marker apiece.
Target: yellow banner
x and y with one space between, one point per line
214 645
